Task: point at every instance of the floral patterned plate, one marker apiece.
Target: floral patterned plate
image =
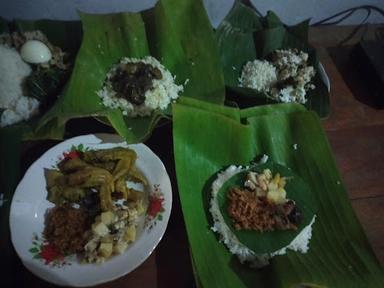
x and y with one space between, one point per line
29 205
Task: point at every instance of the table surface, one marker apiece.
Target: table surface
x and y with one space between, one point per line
355 131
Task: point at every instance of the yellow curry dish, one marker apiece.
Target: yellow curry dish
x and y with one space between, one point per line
96 207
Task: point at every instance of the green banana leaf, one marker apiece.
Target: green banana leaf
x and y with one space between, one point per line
235 33
177 33
339 254
244 36
180 34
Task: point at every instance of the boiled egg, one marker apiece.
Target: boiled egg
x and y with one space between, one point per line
35 52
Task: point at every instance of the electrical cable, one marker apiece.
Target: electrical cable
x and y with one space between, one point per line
347 13
343 15
356 29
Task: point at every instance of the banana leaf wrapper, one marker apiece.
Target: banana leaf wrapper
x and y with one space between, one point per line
177 33
207 141
244 36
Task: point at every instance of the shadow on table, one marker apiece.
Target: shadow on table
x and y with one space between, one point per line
353 68
173 262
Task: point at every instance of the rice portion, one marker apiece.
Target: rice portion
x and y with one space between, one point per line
16 107
159 97
259 75
299 244
285 78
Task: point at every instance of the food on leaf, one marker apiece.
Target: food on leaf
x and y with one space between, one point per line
258 211
286 77
33 72
14 105
262 205
259 75
139 86
247 38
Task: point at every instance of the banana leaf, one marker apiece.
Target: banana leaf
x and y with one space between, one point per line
235 33
339 254
240 43
180 34
177 33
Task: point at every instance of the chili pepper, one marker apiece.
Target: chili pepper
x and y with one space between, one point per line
71 155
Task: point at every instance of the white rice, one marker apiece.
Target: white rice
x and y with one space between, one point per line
288 64
159 97
259 75
289 94
299 244
16 107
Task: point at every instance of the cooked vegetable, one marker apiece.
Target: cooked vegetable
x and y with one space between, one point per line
95 180
104 170
45 84
112 232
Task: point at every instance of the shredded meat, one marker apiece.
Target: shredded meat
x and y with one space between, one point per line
65 228
257 213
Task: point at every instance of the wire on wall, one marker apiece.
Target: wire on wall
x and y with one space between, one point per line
347 13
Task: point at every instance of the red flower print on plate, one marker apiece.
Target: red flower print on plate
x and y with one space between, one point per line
155 207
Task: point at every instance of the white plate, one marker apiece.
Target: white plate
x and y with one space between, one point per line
324 77
29 205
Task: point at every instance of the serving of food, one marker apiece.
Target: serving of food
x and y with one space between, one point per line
284 77
139 86
96 213
247 216
33 72
268 61
96 203
93 208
